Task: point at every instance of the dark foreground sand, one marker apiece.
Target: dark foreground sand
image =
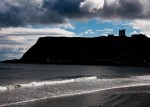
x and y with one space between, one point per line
138 96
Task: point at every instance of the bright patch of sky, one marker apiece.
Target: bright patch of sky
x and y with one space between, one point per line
96 27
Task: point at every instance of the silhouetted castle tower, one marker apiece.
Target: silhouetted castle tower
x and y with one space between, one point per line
122 33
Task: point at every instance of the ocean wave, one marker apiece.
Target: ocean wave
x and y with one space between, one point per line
50 82
136 79
62 87
143 77
3 88
90 92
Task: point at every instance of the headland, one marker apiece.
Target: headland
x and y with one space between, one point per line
111 50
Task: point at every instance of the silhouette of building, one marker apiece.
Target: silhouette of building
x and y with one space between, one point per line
122 33
110 35
138 36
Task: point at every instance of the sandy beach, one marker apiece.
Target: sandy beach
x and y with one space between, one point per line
137 96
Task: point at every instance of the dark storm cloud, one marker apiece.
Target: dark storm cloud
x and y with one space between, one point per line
15 13
33 12
26 12
68 8
130 8
127 9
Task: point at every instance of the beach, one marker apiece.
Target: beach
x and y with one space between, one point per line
73 86
136 96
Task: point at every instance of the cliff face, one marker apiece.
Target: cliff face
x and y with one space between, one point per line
100 50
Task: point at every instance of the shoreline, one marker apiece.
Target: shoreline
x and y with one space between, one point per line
102 94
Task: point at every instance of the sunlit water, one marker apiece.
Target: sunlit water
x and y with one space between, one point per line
20 83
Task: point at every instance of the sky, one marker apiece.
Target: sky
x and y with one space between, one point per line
22 22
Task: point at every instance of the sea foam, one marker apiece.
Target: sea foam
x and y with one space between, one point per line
43 83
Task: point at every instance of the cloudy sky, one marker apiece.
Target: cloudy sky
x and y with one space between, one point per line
22 22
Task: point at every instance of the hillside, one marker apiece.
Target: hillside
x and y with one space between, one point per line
98 51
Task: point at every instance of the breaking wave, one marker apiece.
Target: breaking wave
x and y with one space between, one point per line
35 91
43 83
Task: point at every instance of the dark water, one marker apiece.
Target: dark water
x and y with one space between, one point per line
26 83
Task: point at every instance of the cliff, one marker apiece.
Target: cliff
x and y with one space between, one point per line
97 51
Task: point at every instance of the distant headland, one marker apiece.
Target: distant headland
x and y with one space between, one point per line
111 50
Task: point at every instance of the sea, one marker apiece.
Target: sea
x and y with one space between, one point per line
47 85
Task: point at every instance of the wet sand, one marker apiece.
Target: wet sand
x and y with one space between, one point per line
137 96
